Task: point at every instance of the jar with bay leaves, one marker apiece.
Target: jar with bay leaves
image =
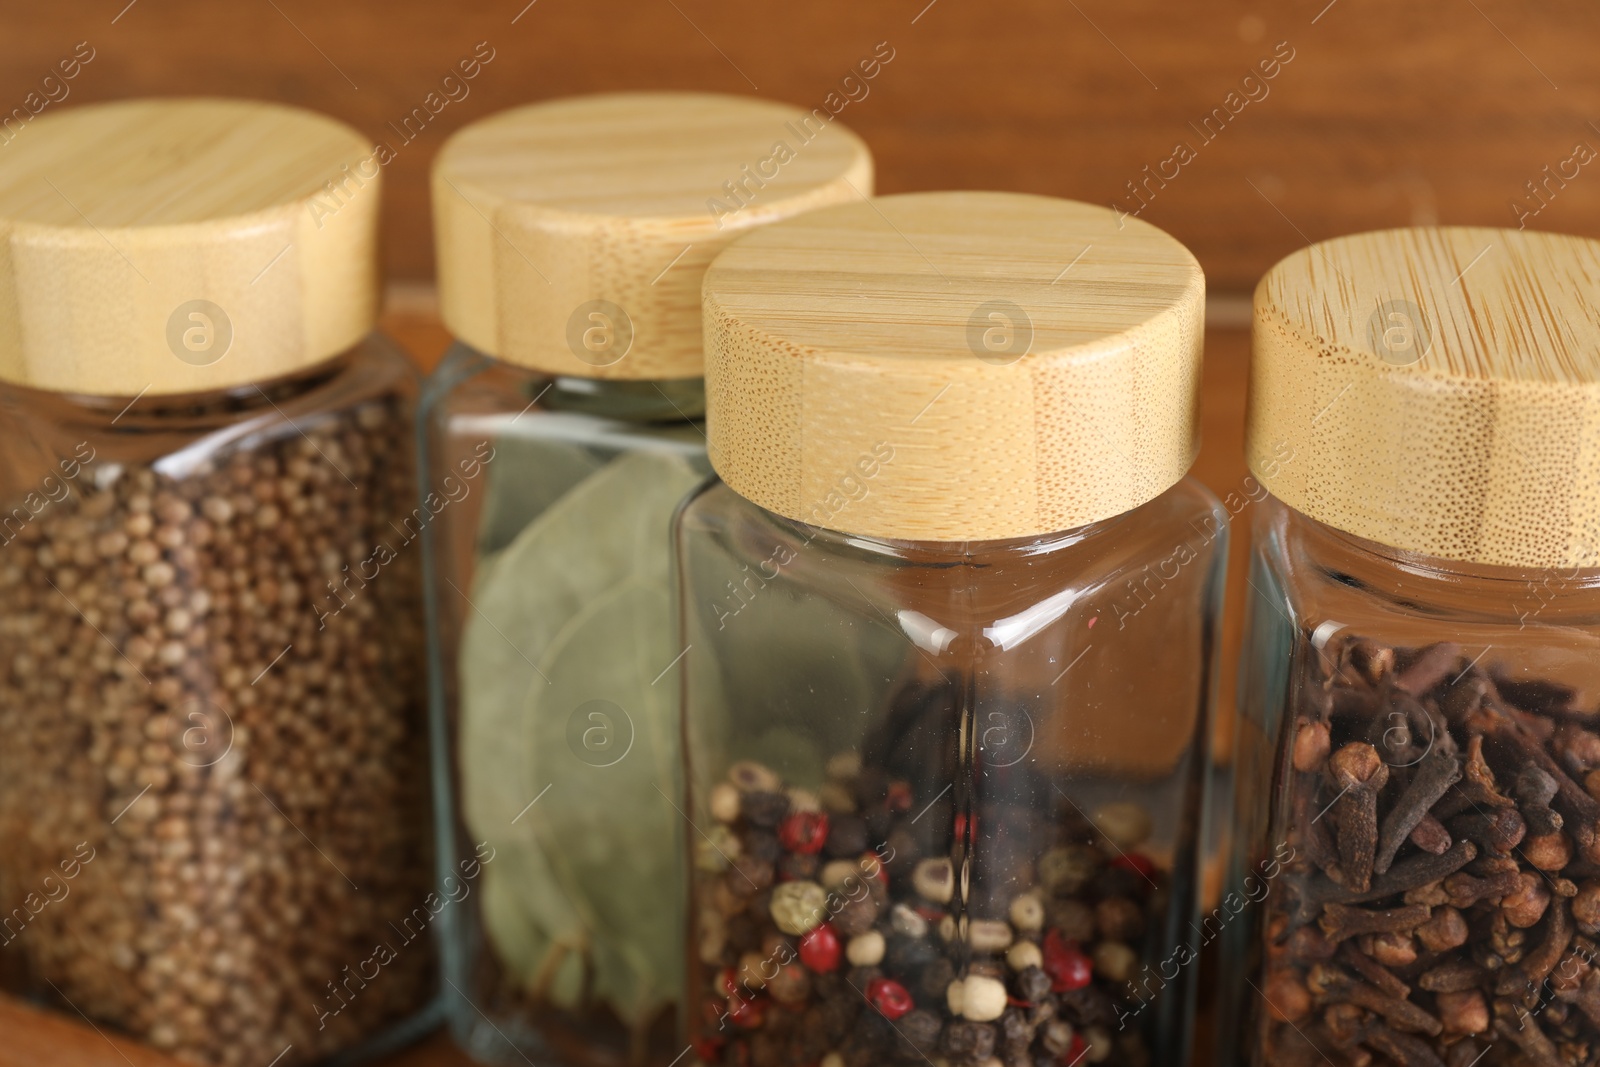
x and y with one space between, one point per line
213 804
559 435
1419 763
951 615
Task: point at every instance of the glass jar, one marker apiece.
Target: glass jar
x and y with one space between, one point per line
1418 829
213 799
559 436
948 631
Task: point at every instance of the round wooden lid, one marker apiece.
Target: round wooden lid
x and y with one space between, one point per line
954 366
1436 390
572 235
183 245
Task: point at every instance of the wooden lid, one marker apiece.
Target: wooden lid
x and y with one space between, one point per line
954 366
183 245
1436 390
572 235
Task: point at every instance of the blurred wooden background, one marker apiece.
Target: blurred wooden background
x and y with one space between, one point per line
1390 112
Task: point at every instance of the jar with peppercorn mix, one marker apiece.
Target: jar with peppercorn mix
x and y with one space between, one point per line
948 639
1419 772
213 810
564 428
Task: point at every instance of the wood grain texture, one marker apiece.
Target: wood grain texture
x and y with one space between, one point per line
1008 365
116 218
1436 390
573 235
1388 114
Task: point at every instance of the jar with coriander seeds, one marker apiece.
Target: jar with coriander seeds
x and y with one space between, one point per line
1419 761
559 434
213 800
948 624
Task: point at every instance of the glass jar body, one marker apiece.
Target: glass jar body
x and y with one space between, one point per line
212 795
947 797
548 597
1412 814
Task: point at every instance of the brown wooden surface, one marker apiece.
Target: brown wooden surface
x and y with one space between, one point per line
29 1038
1391 112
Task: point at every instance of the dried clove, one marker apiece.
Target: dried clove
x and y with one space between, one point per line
1360 774
1450 866
1438 771
1341 921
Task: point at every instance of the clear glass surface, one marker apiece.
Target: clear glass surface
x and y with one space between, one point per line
946 798
213 808
551 648
1415 852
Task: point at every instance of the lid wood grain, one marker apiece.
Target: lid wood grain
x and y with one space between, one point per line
573 235
954 366
1436 390
183 245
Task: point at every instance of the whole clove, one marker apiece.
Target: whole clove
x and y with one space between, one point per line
1449 872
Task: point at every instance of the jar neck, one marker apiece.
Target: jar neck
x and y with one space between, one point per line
199 409
665 400
1412 578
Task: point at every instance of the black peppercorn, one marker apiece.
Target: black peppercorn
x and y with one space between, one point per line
798 867
1015 1033
919 1033
861 977
969 1042
1034 985
868 1042
763 845
937 976
765 809
856 917
908 955
838 1014
847 837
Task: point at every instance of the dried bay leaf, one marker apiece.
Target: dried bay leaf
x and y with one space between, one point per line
610 530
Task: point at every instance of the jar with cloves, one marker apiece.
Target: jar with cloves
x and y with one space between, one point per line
558 436
947 640
214 830
1418 869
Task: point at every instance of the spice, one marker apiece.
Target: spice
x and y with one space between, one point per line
932 969
1425 924
195 683
570 623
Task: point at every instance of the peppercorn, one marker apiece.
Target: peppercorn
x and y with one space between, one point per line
1066 964
855 917
935 978
890 997
847 837
791 985
920 1031
804 832
905 956
820 949
765 809
969 1042
1034 984
763 845
798 907
797 867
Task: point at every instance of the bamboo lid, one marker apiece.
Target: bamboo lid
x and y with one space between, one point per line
183 246
572 235
954 366
1436 390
